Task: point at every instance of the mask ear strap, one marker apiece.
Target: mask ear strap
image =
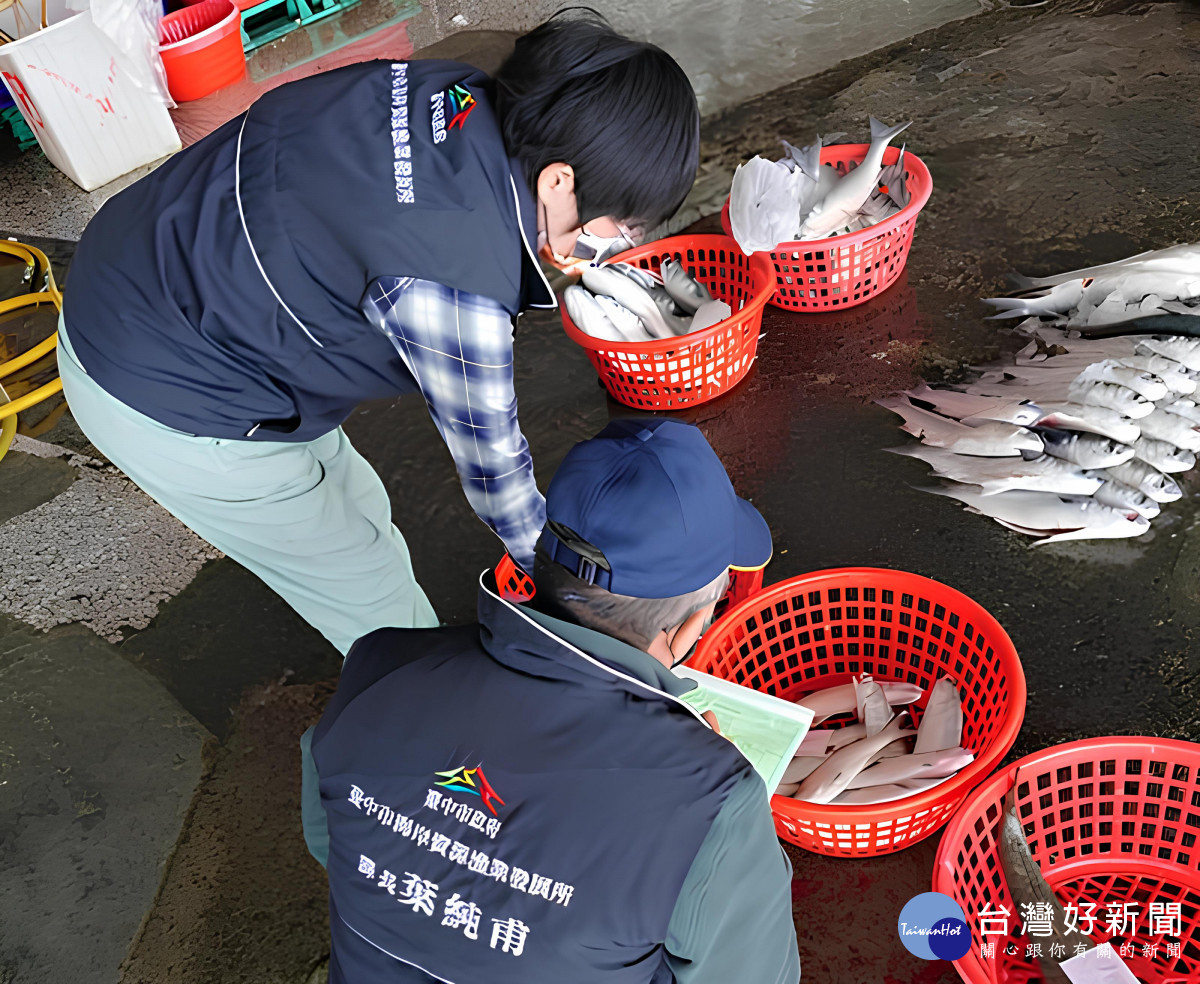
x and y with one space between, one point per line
695 645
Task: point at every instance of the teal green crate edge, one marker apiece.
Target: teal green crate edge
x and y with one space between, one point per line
295 14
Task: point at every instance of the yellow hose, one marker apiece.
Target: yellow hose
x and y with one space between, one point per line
30 399
37 268
8 427
43 347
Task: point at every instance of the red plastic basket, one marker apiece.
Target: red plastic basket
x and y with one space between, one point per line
512 581
201 48
818 630
827 274
687 370
1109 820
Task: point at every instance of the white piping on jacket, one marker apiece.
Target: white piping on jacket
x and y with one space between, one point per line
553 305
237 191
591 659
444 980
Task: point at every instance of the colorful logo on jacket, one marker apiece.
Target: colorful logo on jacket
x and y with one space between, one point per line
471 781
456 103
461 103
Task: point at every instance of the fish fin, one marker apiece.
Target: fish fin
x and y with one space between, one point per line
1022 282
1008 313
881 131
1031 531
1179 307
947 489
893 403
916 391
809 160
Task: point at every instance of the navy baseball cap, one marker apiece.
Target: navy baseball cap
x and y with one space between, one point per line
645 509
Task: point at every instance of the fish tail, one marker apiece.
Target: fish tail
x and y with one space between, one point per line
881 131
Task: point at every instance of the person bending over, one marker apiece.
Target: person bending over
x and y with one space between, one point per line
527 800
358 234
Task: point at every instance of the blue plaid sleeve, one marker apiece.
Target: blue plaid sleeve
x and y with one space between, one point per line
459 348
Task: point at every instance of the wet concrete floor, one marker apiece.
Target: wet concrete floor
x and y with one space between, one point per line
1053 140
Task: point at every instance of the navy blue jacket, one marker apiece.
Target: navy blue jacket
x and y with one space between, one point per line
505 807
220 295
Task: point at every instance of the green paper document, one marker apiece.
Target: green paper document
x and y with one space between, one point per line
765 729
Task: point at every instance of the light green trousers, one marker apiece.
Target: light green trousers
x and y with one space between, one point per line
311 519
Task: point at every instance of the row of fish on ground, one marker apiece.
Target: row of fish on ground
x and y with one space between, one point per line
883 754
1082 434
799 198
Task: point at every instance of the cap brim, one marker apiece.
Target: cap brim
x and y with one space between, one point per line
751 538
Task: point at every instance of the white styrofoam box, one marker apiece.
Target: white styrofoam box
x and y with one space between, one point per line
92 120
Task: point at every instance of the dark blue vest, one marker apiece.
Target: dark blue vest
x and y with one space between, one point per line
220 294
504 809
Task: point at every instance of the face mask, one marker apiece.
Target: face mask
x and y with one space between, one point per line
588 248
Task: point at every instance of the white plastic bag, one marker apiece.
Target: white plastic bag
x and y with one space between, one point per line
132 26
762 210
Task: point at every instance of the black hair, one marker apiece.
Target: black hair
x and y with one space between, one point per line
622 113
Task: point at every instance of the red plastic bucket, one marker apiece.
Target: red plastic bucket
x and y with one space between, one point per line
517 586
836 273
687 370
819 630
201 48
1109 821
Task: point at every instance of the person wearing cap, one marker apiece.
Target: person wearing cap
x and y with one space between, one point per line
355 235
527 800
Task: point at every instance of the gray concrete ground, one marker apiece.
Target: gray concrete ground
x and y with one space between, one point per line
97 553
1057 137
98 766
